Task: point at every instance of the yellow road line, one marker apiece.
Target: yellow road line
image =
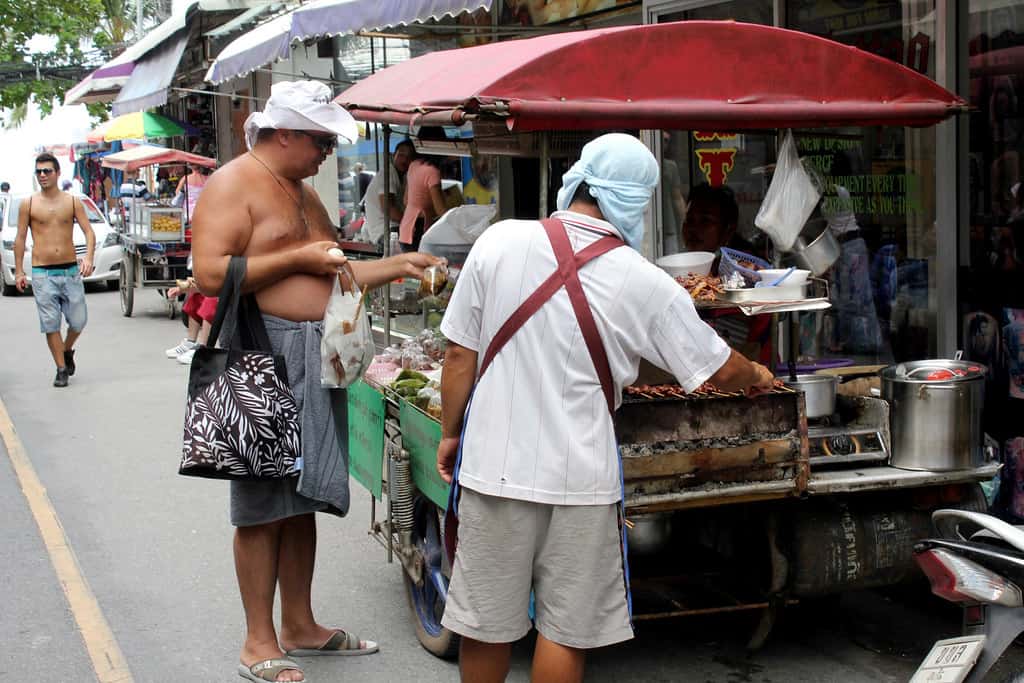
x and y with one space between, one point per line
107 660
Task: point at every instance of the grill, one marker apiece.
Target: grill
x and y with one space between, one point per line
675 444
80 249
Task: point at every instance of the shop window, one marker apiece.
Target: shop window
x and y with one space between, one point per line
880 198
992 284
721 159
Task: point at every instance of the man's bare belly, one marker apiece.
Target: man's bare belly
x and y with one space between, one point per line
298 297
51 246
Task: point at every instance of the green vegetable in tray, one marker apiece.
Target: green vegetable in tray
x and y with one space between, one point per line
411 374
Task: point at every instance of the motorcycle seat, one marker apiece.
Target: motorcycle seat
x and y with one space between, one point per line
965 525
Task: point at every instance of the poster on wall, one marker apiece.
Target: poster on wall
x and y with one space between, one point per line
1013 344
541 12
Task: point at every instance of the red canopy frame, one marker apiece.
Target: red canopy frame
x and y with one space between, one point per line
145 155
689 75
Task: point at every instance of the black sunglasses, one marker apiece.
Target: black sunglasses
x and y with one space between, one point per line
325 143
44 171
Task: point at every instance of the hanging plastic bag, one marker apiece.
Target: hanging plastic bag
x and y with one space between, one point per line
461 225
790 199
346 347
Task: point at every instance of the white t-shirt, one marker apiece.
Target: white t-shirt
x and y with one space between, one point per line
539 428
375 225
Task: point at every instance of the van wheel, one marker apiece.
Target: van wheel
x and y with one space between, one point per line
10 290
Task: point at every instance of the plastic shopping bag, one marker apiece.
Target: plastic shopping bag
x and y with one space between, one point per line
790 199
346 347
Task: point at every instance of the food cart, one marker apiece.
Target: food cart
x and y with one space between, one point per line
153 232
788 508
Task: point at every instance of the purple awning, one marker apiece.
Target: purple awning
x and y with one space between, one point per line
272 41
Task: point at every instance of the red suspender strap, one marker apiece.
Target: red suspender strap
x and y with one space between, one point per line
565 274
584 316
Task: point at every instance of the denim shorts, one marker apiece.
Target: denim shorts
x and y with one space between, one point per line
59 291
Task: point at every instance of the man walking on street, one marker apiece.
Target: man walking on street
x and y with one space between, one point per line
258 207
56 271
547 324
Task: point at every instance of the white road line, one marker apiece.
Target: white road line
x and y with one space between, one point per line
107 660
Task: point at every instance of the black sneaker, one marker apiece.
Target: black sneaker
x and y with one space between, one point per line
61 380
69 362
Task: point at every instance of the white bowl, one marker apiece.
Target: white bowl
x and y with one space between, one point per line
682 264
795 279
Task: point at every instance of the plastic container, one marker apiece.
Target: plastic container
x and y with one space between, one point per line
729 264
686 263
794 279
396 289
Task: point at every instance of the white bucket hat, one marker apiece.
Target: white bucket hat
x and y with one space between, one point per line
301 105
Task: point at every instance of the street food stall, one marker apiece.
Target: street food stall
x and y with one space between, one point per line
732 503
154 237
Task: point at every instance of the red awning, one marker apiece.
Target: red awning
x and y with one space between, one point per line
691 75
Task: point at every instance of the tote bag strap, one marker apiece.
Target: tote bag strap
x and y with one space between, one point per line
238 320
226 318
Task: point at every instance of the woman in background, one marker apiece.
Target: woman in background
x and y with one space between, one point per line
424 201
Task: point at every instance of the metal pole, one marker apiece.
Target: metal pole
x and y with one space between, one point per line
138 20
386 170
545 159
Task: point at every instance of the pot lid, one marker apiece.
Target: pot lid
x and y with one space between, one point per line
938 370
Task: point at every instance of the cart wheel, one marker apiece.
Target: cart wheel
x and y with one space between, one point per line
426 602
127 282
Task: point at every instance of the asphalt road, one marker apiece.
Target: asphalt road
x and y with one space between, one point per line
155 549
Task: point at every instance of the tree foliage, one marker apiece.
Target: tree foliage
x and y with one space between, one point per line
105 27
42 74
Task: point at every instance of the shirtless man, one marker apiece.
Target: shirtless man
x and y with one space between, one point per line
257 206
56 272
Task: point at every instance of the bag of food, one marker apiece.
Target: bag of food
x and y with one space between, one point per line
790 199
346 348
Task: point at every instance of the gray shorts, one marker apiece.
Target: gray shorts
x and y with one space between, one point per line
570 555
262 502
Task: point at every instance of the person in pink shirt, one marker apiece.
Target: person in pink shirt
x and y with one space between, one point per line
424 202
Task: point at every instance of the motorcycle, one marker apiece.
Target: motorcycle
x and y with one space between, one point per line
978 562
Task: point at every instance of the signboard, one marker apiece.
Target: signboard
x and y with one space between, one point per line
366 437
420 436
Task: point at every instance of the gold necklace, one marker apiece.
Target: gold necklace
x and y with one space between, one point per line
297 202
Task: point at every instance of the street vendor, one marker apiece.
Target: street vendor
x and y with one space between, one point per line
548 322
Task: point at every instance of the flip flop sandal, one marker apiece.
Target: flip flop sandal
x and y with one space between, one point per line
341 644
268 670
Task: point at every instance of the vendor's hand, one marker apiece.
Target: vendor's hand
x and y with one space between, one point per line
447 450
313 258
21 282
85 266
765 381
414 262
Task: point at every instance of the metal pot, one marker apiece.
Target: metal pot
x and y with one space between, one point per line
816 248
819 393
935 419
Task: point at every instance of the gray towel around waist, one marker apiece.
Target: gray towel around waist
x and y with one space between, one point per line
324 412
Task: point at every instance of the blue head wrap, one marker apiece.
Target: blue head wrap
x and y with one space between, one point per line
621 173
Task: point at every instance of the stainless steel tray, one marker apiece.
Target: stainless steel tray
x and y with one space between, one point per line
814 288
